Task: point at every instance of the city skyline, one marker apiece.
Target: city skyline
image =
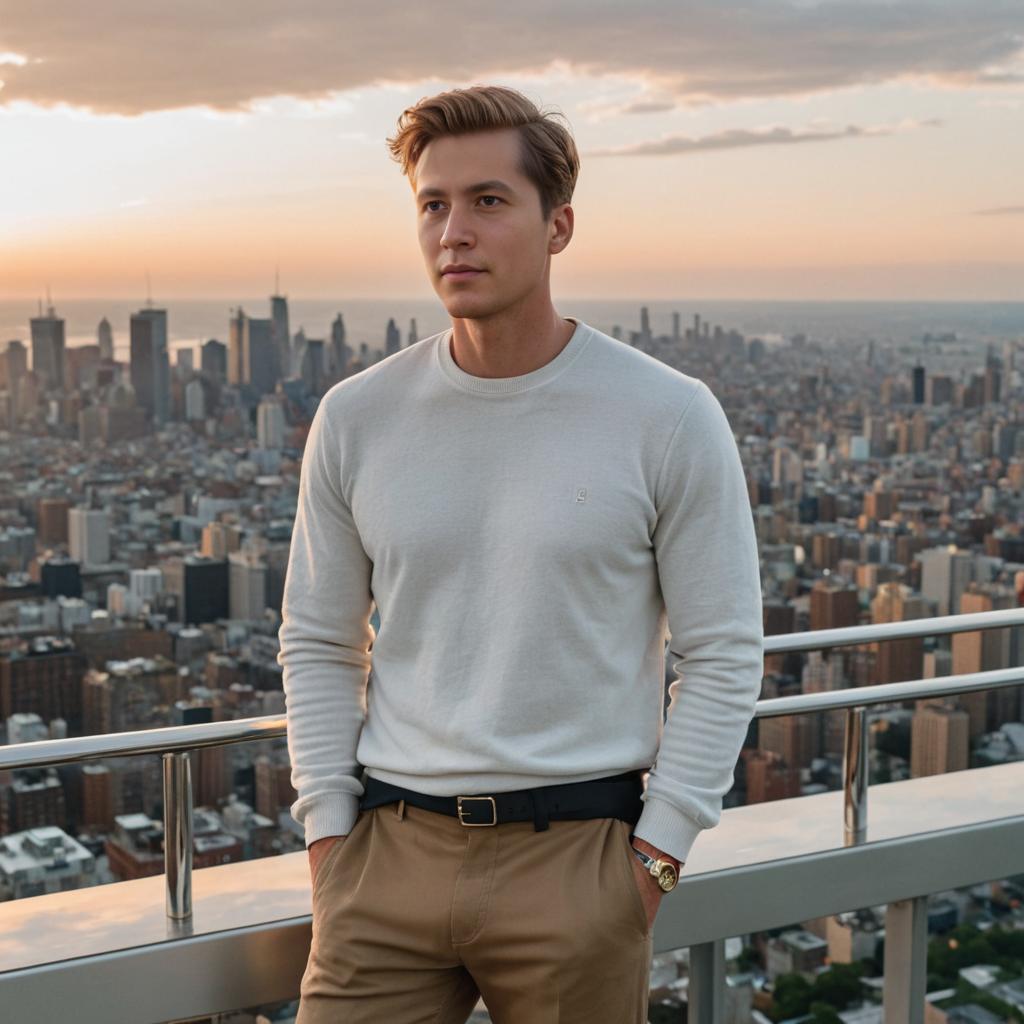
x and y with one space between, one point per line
868 153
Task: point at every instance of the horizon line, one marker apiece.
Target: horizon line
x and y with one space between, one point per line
407 298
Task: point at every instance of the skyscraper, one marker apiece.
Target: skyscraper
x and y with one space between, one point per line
236 331
338 353
392 338
89 535
280 334
919 385
105 337
48 348
149 362
260 364
214 358
312 369
270 423
252 354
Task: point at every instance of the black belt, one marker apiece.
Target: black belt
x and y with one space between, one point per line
616 796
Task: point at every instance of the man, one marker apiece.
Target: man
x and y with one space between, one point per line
530 504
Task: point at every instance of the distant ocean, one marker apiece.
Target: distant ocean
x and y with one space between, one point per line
191 322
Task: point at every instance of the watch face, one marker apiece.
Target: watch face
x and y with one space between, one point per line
667 877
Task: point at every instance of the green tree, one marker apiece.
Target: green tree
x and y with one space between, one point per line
792 996
822 1013
839 985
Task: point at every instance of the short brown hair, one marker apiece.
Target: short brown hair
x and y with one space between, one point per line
548 153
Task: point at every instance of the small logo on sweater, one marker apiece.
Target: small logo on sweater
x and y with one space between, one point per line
581 494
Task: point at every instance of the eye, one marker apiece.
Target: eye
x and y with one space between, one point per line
492 197
427 205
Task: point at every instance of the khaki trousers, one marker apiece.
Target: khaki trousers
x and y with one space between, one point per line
416 916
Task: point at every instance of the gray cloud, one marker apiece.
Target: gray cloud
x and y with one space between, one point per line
646 107
671 145
121 56
1001 211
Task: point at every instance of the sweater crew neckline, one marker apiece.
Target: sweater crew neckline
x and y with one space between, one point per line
511 385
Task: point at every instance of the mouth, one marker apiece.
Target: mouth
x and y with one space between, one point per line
461 275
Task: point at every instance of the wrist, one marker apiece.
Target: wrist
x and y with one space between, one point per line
652 851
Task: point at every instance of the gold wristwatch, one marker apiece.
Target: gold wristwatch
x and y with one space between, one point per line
664 871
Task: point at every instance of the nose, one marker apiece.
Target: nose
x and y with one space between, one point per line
456 230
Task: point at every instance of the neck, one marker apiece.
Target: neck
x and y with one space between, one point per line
509 345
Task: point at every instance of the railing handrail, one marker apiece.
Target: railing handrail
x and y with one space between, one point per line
876 632
179 738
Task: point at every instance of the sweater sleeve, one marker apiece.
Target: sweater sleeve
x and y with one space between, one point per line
706 552
325 640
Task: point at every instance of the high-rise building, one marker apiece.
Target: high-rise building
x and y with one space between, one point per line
97 796
15 362
392 338
903 659
280 334
945 573
236 337
313 370
214 359
413 336
89 536
834 603
982 651
339 352
248 585
48 349
826 549
220 539
793 738
262 369
43 676
769 777
183 363
150 367
992 381
200 586
939 739
252 355
52 520
105 339
918 385
270 424
939 390
195 400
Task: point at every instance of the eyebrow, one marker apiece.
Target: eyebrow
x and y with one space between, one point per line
494 185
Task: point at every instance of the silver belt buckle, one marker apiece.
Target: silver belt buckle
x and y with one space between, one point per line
475 824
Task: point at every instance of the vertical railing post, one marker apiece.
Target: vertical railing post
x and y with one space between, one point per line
855 777
906 961
705 994
178 834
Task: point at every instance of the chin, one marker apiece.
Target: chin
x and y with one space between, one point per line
464 307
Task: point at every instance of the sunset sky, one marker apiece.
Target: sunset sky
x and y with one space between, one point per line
837 149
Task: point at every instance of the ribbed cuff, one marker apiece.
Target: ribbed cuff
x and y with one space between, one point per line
333 814
666 828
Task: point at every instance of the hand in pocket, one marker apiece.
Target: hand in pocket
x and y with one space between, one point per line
318 851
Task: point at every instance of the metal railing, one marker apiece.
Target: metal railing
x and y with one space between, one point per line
175 743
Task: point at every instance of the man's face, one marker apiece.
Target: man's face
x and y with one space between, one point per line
496 229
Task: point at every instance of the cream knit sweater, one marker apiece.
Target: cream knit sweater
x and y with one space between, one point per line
529 543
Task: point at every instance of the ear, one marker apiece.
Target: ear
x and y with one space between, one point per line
561 228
